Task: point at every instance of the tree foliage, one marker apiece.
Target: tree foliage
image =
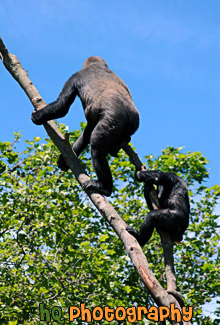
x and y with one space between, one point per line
56 249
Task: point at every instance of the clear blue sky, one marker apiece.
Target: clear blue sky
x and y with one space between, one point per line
167 52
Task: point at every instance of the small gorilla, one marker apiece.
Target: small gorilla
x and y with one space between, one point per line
173 215
110 112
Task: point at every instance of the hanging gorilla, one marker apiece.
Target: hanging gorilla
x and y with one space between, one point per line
173 215
110 112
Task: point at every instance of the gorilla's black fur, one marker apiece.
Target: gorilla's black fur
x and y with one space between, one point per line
173 215
110 112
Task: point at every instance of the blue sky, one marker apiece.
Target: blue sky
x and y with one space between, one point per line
167 52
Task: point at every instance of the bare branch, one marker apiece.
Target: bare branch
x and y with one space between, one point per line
135 160
160 296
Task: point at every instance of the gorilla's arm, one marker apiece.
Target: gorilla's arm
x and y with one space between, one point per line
60 107
156 177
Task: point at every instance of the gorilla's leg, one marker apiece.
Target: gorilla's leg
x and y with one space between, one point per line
104 184
102 139
171 221
163 219
83 140
80 144
145 232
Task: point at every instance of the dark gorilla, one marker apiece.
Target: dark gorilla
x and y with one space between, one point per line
110 112
173 215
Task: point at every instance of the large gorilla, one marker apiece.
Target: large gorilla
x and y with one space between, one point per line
173 215
110 112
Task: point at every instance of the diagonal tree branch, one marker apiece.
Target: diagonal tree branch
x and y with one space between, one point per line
160 296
